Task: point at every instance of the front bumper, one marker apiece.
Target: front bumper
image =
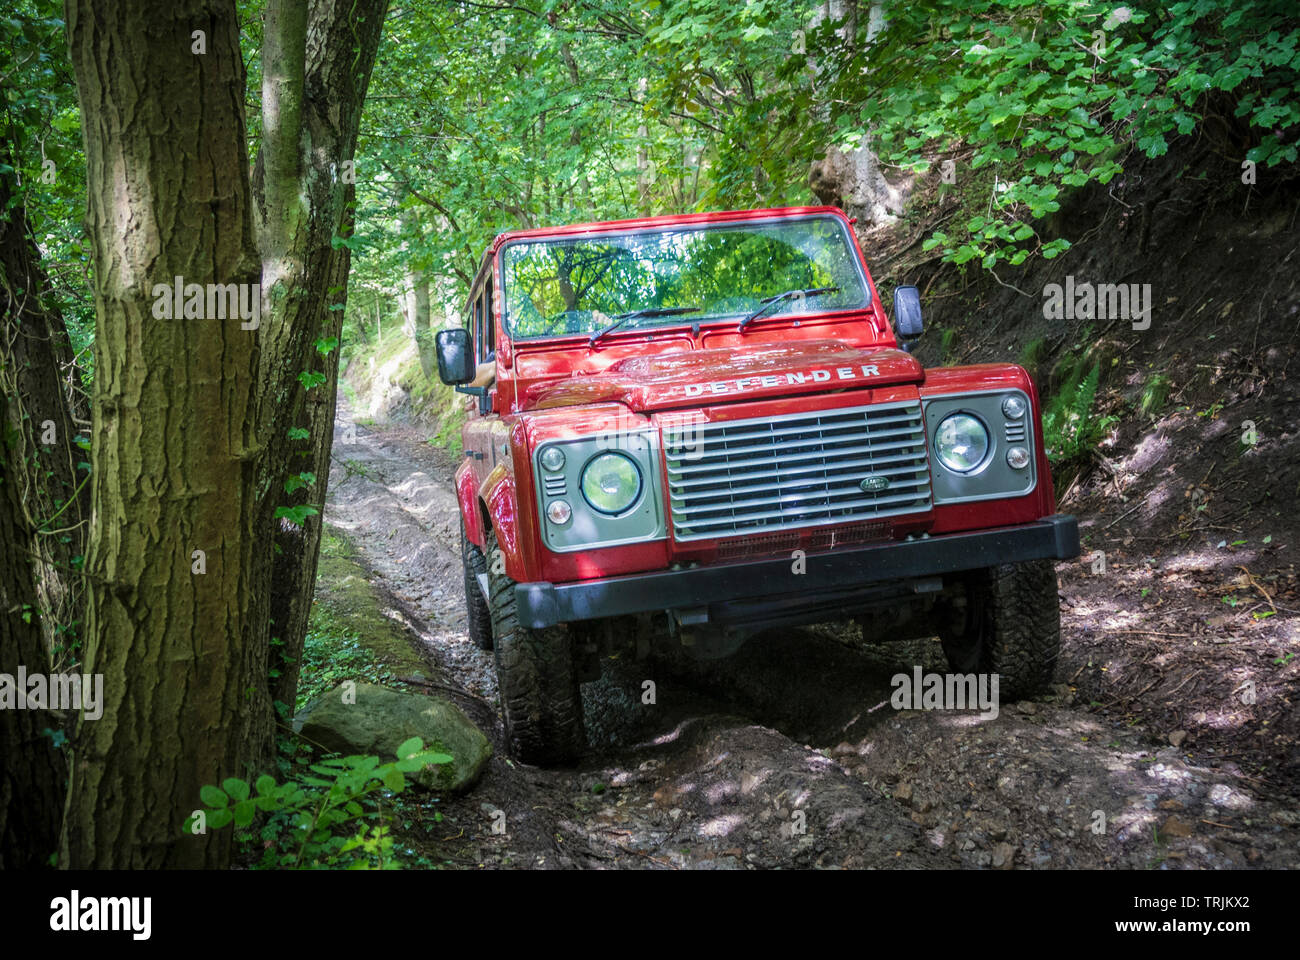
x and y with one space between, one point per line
545 604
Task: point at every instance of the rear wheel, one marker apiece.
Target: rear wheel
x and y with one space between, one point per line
1013 627
478 617
537 678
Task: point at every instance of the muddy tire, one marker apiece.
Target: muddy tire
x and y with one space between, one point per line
1013 627
477 615
537 680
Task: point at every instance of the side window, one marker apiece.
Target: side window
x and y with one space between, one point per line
476 325
489 321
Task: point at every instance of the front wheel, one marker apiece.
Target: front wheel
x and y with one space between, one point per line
1012 628
537 679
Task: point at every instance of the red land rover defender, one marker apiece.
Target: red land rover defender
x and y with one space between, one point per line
697 427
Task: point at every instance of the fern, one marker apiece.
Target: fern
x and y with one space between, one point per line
1082 403
1154 394
946 341
1071 428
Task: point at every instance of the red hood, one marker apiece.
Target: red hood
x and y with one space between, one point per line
699 377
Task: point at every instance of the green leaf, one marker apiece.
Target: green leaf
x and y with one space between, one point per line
297 481
213 797
244 812
236 788
295 515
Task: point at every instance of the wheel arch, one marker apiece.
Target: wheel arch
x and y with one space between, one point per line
499 504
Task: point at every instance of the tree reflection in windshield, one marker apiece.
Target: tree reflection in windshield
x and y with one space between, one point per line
574 285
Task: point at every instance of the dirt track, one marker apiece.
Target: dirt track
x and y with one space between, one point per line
788 755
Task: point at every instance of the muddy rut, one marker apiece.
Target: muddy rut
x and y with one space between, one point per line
788 754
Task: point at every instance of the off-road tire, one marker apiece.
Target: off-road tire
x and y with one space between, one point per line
537 680
1013 627
477 615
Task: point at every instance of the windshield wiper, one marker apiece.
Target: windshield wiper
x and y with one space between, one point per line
787 295
622 318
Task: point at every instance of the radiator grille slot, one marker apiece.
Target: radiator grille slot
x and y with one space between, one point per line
762 476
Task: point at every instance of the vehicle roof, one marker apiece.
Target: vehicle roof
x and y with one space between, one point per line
666 220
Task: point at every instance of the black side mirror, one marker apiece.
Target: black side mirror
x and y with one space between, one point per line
907 312
455 356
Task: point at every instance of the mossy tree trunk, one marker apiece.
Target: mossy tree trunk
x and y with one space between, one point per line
417 297
317 66
200 425
43 516
43 384
183 653
32 770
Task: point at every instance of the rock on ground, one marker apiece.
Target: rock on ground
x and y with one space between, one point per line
380 720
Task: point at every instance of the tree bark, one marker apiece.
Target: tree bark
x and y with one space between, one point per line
40 377
32 770
183 654
41 595
307 178
417 301
853 179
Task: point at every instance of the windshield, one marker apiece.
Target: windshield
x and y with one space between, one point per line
579 285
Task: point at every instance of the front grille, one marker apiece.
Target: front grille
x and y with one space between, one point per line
761 476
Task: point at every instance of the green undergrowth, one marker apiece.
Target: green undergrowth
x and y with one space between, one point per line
334 813
327 811
1073 426
348 635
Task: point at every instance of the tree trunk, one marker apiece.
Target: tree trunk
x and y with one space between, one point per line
41 380
32 770
183 653
575 135
417 301
41 595
853 179
312 99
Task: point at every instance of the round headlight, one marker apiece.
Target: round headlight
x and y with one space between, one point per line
1013 407
961 442
553 459
1018 458
611 482
558 511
